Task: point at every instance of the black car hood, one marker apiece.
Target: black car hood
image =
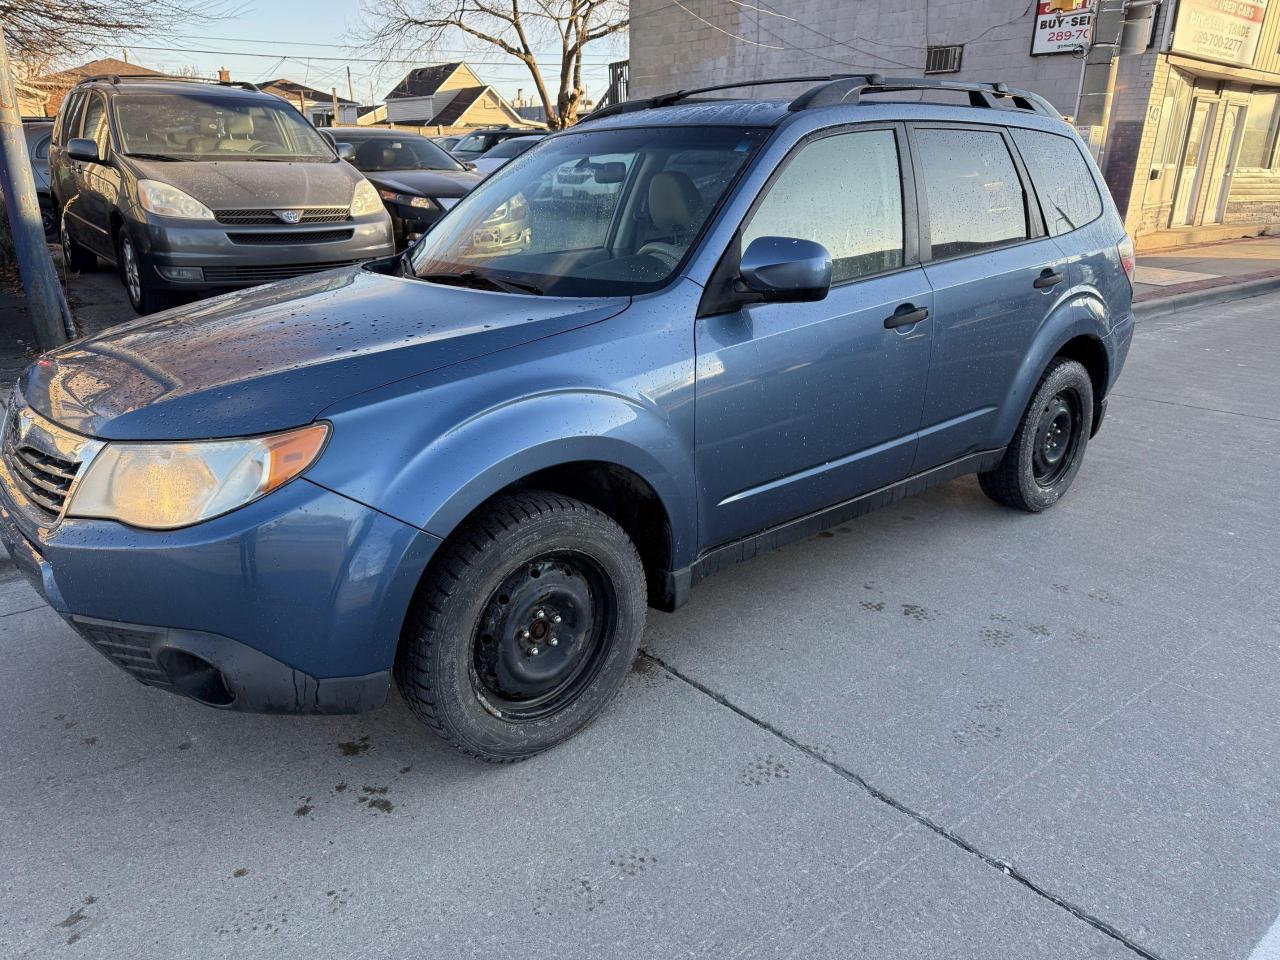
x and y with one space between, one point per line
273 357
427 183
256 184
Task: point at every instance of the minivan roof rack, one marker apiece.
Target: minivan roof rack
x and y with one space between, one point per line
161 78
846 89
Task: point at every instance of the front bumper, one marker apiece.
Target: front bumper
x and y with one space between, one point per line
293 604
408 223
229 256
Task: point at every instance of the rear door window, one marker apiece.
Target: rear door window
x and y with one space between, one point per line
844 192
974 193
1068 193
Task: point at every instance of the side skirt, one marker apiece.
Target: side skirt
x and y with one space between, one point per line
680 582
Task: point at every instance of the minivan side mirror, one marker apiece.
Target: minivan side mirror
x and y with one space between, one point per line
345 151
786 269
82 148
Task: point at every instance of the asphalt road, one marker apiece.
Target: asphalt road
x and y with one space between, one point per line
945 730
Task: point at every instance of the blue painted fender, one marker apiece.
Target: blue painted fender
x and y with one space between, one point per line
1080 312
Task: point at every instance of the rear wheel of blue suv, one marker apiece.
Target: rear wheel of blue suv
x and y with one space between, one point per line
655 345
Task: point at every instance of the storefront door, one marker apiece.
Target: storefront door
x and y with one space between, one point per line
1224 165
1191 176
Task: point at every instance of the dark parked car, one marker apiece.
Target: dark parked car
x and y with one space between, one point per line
38 134
482 141
764 318
416 179
193 187
447 143
504 153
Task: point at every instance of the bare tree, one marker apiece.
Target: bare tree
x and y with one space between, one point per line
57 29
516 27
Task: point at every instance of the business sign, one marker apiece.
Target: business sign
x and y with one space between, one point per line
1223 30
1062 26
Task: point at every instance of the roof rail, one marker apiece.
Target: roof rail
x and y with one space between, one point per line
667 99
162 78
845 88
848 90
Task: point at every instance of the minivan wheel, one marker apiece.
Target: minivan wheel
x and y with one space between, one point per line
1045 454
524 627
77 258
48 219
143 295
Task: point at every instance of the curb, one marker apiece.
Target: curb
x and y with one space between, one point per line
1162 306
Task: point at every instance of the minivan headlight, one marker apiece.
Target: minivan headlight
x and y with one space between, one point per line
365 200
167 201
163 486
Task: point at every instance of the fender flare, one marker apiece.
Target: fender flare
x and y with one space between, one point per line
497 447
1079 313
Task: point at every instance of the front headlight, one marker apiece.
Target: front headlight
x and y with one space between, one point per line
422 203
365 200
162 486
167 201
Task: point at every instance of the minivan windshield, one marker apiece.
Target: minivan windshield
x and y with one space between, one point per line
207 126
381 153
603 213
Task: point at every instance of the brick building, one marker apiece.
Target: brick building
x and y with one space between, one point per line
1185 131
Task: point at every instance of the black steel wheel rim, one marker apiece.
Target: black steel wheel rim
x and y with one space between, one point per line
1057 438
543 636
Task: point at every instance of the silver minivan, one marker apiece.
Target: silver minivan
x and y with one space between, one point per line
193 187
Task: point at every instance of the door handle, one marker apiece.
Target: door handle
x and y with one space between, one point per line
1048 278
905 315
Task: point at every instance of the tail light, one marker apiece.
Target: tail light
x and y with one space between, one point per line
1127 258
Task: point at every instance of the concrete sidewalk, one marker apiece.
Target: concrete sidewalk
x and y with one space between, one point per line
1208 266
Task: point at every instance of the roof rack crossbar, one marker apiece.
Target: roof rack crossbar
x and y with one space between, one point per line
848 90
117 78
675 96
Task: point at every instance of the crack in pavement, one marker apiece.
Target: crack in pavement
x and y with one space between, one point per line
1193 406
923 819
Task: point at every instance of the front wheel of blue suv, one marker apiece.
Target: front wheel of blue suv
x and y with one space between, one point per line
1048 446
524 627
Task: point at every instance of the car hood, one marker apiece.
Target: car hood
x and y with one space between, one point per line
273 357
256 184
427 183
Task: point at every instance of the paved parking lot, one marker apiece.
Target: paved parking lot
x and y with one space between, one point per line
945 730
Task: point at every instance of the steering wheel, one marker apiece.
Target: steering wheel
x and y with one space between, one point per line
263 147
669 253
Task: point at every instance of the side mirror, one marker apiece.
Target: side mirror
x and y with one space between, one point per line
82 148
345 151
786 270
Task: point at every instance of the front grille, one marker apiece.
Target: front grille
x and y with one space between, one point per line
265 274
309 215
128 648
314 236
42 477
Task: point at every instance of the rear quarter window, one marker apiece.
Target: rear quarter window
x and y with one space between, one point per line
1064 183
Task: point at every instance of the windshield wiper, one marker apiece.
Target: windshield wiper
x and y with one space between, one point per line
156 156
473 278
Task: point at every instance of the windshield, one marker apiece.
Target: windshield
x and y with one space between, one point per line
377 154
587 214
511 148
206 126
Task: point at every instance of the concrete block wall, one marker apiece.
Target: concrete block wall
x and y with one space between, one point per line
696 42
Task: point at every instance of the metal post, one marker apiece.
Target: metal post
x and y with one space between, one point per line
50 316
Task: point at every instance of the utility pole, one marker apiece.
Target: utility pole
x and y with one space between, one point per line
50 316
351 87
333 92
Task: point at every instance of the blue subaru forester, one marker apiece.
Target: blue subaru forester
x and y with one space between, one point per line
658 343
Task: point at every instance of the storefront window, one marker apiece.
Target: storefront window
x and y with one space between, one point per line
1257 145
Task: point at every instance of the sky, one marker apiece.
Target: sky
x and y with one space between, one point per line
313 42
